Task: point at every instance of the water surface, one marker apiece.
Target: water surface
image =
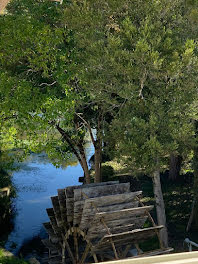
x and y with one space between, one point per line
36 181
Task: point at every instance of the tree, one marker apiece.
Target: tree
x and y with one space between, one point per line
175 166
162 88
139 62
37 70
52 80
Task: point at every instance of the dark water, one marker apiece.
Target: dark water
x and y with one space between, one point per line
36 181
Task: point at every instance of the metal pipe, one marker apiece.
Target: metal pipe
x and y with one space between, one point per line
190 243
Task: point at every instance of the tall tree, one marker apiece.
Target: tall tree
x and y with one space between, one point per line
161 66
139 63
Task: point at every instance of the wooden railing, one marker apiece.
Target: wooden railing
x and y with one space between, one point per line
190 244
177 258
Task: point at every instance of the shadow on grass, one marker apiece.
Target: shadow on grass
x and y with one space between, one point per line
178 198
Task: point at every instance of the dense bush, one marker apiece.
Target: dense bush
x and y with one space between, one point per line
107 172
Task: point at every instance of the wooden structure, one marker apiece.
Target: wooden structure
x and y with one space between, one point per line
176 258
98 222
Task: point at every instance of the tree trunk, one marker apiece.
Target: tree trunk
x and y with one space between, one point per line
175 166
194 210
97 165
83 162
98 149
86 170
80 153
160 208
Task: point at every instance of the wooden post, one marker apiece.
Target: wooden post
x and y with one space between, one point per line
152 221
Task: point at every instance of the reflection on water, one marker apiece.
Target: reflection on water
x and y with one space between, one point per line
36 181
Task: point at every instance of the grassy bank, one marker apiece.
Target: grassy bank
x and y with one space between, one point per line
7 258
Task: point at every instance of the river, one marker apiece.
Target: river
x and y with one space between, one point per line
36 181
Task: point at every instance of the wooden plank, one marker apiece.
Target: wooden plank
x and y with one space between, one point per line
153 253
99 184
92 192
53 222
89 211
131 236
113 199
115 226
109 200
78 202
78 208
121 222
69 191
53 237
109 208
70 209
56 207
63 209
48 228
106 216
50 245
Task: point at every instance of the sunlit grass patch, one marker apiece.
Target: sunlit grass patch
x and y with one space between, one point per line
4 259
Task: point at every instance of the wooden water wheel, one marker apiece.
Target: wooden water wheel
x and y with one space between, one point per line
97 222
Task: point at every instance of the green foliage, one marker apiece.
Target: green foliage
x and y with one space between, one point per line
134 62
139 60
10 260
43 11
160 87
37 81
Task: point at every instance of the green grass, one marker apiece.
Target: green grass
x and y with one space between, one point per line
10 260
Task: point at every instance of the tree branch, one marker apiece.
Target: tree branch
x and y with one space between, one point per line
69 141
142 81
89 128
48 84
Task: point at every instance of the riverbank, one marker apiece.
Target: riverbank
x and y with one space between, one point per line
7 257
6 210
